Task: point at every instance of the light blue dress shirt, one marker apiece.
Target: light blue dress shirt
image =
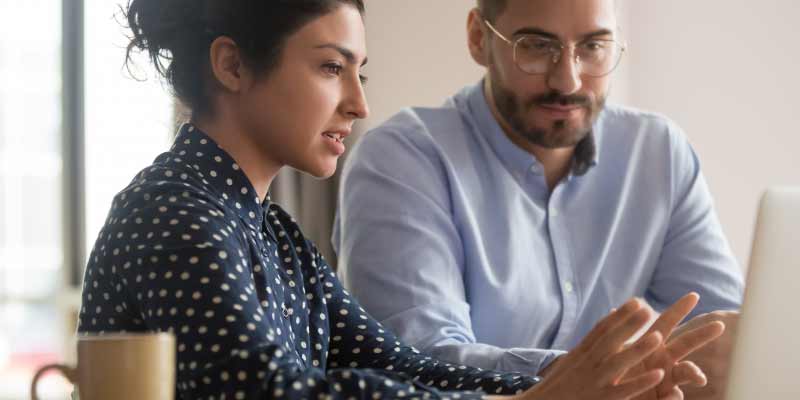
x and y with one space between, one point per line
447 233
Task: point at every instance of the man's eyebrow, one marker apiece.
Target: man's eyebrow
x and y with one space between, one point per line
599 32
535 31
550 35
346 53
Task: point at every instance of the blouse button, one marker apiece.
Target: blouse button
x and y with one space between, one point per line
285 311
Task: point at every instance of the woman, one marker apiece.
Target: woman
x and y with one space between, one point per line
195 247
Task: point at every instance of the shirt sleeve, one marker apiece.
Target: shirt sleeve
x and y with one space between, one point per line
358 340
401 255
695 255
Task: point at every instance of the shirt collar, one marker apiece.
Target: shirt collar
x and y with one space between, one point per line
514 157
220 173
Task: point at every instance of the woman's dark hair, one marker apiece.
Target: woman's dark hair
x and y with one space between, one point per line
177 35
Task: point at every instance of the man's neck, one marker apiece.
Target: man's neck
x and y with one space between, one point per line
555 162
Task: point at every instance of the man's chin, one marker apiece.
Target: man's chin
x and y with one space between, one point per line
557 136
559 144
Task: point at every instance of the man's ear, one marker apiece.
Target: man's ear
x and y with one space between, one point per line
476 38
226 64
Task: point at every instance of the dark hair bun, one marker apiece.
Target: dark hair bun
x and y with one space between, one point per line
177 35
156 25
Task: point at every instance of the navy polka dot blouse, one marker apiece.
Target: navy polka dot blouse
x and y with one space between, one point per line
189 248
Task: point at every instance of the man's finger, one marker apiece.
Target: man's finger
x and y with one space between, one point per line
673 393
673 316
608 323
688 342
634 386
617 364
688 373
615 338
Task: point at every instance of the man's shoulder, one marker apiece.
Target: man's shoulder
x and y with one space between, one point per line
631 123
426 130
645 136
628 115
420 122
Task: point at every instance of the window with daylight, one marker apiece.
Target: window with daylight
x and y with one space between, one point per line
67 103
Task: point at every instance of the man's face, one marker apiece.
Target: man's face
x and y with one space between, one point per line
555 109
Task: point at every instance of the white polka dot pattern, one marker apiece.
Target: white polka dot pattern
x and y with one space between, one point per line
188 248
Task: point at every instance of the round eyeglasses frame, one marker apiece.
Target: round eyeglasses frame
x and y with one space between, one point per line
556 55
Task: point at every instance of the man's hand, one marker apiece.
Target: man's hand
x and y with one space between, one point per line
680 344
592 369
603 367
714 359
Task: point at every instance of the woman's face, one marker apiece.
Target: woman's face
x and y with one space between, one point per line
301 110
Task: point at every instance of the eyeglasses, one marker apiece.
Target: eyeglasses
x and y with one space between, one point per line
535 55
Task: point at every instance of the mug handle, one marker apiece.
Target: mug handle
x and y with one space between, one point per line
68 372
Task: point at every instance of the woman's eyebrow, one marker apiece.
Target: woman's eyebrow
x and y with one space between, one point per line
346 53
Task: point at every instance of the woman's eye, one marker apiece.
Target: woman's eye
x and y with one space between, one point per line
334 69
364 79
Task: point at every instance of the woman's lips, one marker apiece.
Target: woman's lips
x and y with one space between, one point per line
334 142
334 136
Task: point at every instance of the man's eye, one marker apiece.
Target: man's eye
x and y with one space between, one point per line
594 45
535 46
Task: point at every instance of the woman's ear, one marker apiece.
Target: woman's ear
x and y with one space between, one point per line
226 64
476 38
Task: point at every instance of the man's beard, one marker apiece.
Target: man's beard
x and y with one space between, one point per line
560 133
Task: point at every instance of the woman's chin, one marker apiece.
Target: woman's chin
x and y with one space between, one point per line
320 171
325 174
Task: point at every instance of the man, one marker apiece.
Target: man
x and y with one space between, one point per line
496 230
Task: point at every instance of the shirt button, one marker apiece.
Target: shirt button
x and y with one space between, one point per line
568 286
553 212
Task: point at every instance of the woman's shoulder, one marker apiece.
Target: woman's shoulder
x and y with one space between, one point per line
167 179
169 197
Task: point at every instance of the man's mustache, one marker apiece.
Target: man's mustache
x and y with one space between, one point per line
558 98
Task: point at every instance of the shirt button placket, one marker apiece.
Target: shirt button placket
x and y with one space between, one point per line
559 242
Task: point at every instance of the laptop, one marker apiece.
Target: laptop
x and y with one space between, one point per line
766 354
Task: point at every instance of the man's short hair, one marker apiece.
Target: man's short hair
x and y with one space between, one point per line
490 9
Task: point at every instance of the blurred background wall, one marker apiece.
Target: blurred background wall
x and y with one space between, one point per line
728 72
417 54
725 70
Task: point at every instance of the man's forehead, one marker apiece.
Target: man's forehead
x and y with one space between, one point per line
567 18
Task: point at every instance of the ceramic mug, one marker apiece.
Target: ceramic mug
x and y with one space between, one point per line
121 366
